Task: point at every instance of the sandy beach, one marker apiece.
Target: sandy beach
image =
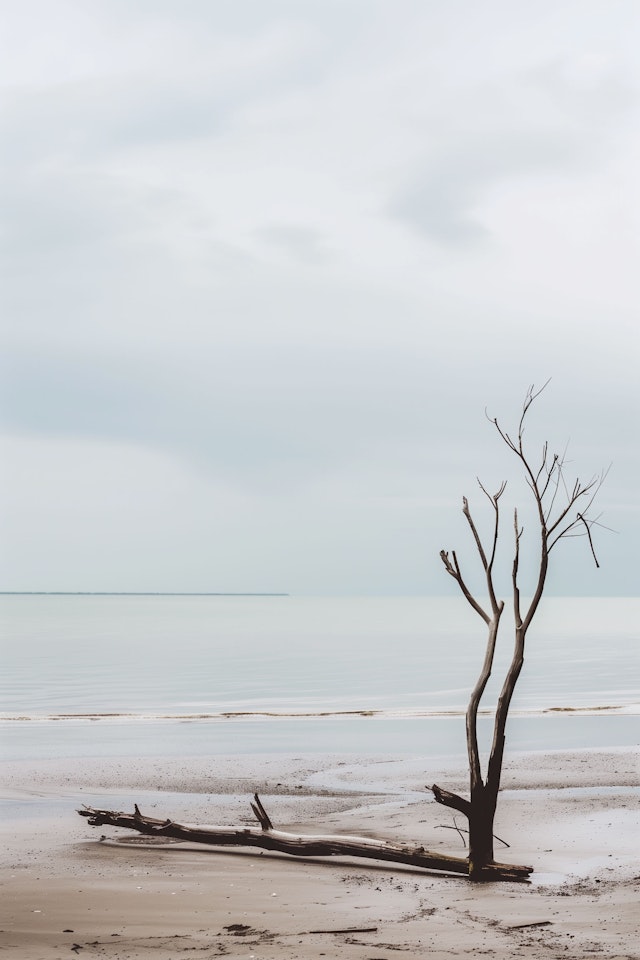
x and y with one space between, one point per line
69 888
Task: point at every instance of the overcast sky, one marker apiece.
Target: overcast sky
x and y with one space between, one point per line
266 262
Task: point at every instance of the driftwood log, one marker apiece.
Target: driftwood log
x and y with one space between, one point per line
298 845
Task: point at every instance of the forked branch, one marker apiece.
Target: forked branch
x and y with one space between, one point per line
453 569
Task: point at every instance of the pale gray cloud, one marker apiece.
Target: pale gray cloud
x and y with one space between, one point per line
298 242
264 263
544 123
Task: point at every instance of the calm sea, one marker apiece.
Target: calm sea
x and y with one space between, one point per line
144 675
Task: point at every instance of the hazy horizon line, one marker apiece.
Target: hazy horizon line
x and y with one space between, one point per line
272 593
140 593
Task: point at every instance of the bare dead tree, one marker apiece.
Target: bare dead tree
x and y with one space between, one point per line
561 511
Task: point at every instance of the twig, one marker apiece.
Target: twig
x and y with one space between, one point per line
456 827
461 830
532 923
260 813
593 552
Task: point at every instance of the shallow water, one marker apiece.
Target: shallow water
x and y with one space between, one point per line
171 657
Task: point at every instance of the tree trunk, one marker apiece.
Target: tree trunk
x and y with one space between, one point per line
481 815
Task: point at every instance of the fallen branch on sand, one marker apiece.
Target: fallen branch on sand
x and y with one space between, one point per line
298 845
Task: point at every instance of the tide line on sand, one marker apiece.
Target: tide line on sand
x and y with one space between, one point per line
628 709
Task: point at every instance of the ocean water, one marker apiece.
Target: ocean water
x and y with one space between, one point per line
146 675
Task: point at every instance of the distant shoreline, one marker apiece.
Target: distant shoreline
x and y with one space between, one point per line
131 593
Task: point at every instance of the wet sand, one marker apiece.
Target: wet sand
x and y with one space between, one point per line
71 889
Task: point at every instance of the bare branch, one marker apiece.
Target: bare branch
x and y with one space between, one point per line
493 499
588 531
260 813
565 533
602 526
476 535
551 472
452 800
514 574
532 395
555 476
453 569
577 493
461 830
543 463
591 488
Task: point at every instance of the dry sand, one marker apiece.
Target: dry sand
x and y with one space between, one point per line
66 891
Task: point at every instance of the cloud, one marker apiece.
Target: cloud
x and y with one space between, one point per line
84 120
299 242
549 124
259 417
215 274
